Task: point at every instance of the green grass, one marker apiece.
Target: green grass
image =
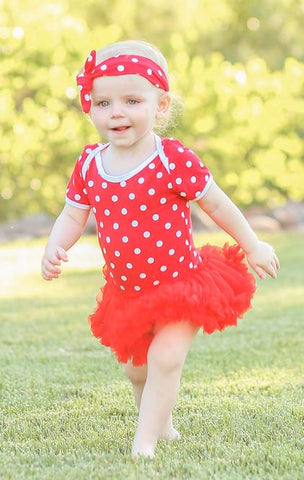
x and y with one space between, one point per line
67 411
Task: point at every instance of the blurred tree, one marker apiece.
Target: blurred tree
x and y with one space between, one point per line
247 126
244 105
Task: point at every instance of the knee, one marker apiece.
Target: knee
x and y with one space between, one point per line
167 358
137 375
170 346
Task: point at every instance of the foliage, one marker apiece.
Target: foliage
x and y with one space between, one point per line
237 65
247 126
67 408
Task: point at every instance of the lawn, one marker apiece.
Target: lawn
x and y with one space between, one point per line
67 410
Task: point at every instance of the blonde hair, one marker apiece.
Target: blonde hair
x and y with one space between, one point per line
133 47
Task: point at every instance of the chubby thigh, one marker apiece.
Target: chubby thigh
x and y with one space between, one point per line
168 350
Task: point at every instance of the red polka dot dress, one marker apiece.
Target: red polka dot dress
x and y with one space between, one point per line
154 274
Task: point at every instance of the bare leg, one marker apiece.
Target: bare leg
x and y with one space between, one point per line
138 376
166 358
168 432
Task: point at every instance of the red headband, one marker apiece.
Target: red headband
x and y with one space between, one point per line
119 65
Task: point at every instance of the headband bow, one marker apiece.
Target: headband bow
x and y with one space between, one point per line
119 65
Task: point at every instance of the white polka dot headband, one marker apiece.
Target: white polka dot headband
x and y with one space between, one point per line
118 65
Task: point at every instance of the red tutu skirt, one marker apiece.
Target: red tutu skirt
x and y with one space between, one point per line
213 297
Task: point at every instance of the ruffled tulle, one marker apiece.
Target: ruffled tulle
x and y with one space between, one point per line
213 297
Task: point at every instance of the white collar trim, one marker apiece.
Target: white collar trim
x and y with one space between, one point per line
96 153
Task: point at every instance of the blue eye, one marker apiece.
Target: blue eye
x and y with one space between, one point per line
132 101
104 103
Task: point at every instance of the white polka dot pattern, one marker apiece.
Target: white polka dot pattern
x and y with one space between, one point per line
144 224
118 65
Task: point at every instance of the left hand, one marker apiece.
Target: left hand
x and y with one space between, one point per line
263 260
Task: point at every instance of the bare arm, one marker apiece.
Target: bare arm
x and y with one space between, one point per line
65 233
223 211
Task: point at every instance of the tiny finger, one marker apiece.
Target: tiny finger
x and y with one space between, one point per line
260 272
52 271
272 271
51 268
61 254
54 260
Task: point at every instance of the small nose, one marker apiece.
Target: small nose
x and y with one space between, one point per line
117 110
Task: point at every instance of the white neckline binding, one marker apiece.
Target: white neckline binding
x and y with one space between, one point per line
96 153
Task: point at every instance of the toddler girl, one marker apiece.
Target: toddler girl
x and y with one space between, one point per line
159 288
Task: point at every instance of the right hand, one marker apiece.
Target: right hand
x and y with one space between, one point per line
51 262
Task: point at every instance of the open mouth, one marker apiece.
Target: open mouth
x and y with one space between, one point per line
120 129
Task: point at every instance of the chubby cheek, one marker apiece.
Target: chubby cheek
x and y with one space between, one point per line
145 114
97 119
93 114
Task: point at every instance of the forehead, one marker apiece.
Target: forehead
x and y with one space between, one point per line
122 84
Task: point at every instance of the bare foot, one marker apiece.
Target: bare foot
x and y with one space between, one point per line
144 452
170 434
143 446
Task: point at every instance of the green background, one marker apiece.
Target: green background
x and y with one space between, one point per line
238 65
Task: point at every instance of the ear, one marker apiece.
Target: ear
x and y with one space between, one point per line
163 105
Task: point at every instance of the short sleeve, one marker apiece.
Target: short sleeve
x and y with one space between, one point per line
190 178
76 193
